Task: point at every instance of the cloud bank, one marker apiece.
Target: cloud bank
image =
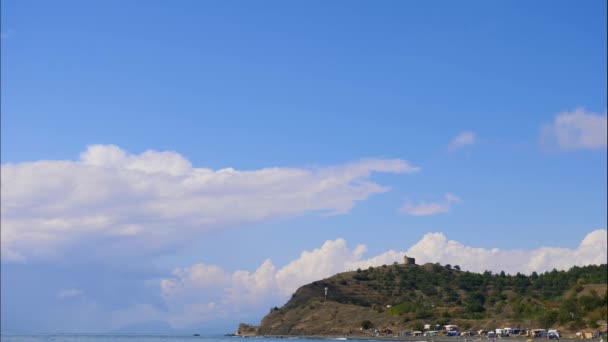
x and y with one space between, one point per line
576 130
203 290
433 208
152 201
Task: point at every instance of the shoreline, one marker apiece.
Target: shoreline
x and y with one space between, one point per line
410 338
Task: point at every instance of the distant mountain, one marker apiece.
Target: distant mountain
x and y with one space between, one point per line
406 297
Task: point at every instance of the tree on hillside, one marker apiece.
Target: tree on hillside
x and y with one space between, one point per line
548 319
475 302
418 326
367 324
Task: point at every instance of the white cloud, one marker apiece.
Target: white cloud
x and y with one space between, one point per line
196 292
427 209
70 293
435 247
206 291
331 258
576 130
463 139
155 199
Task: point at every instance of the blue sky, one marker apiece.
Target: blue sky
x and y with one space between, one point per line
298 86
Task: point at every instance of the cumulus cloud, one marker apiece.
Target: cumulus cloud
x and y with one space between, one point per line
463 139
435 247
154 199
203 290
208 291
433 208
575 130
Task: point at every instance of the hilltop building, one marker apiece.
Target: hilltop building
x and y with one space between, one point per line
409 261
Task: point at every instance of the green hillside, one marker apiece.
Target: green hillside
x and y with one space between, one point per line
404 297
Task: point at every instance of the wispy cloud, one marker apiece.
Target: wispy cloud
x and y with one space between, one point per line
432 208
466 138
70 293
158 199
576 130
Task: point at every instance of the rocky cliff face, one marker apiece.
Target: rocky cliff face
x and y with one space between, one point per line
247 330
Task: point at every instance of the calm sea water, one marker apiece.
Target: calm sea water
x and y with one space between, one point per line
134 338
